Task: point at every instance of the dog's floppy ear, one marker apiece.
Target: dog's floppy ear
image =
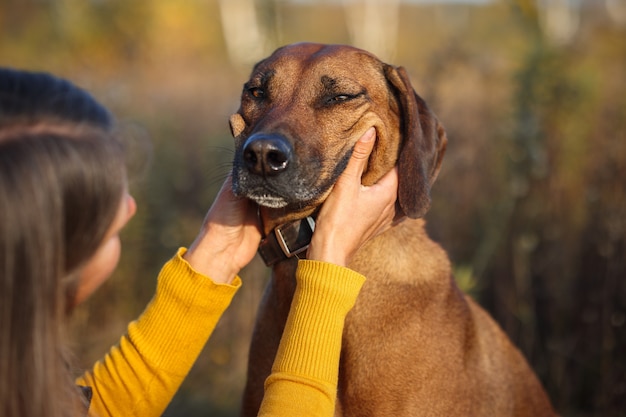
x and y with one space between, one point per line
237 124
422 148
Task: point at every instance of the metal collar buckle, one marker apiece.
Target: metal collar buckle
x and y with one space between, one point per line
287 240
296 234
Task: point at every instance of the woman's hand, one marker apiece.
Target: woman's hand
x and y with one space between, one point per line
229 237
352 214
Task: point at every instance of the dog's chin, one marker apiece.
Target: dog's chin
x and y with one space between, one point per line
269 201
298 199
261 197
258 195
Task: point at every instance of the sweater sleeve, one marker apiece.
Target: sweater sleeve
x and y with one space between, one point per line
305 371
140 375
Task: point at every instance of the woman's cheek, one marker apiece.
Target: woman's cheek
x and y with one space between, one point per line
98 269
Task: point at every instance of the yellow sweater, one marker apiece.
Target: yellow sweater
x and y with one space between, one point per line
140 375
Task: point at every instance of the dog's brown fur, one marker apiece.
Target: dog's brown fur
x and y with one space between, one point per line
414 345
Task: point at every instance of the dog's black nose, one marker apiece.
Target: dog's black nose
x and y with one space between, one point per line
266 154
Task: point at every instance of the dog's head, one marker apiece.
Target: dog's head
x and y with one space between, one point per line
301 113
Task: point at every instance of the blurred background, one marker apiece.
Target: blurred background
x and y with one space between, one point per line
530 202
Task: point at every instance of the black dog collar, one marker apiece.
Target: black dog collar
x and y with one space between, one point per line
287 240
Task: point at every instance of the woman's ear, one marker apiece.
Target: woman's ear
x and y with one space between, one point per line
423 145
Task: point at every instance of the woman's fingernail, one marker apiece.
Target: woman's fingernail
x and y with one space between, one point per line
369 135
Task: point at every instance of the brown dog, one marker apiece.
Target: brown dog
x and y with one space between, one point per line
413 345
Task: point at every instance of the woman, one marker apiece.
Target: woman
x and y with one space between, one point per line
64 200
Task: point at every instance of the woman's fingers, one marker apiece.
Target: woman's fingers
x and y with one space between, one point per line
352 214
361 153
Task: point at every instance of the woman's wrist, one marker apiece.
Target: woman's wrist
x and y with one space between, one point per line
325 253
328 246
212 262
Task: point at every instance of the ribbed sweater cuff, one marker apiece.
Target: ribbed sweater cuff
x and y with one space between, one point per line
311 343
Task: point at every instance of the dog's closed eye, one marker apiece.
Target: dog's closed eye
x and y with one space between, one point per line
340 90
339 98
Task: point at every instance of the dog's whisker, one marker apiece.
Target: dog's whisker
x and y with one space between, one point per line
221 149
218 175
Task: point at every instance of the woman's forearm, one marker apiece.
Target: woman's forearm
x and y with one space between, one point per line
141 374
305 371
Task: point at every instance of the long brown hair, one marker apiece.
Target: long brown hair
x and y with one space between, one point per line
61 179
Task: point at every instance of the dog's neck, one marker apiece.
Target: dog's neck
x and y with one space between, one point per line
270 218
287 241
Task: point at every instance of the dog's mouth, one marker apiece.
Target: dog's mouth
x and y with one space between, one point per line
276 193
269 201
261 197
